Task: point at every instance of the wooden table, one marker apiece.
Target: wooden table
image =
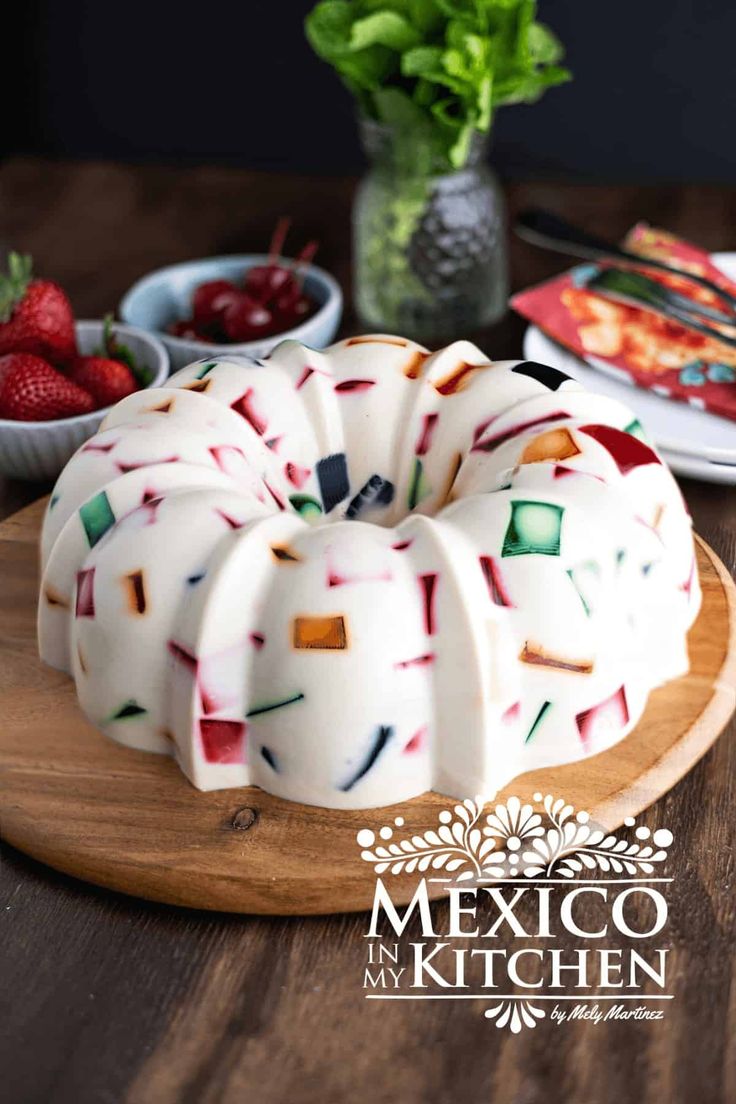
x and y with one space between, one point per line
106 999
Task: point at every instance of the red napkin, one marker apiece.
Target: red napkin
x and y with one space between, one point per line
644 348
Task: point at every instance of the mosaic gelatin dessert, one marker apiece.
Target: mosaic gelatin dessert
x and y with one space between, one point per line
354 575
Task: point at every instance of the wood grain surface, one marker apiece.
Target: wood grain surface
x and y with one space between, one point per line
105 999
130 821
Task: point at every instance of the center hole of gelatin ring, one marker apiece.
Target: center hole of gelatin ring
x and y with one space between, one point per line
375 502
381 519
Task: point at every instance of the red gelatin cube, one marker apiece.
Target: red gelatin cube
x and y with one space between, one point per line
223 741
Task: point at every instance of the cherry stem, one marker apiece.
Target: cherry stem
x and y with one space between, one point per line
278 238
303 258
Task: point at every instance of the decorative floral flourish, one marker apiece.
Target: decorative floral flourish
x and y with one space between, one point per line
514 841
458 842
515 1014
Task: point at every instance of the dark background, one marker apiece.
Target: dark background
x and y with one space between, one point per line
654 97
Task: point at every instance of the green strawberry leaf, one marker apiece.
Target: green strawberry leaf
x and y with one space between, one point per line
14 285
115 350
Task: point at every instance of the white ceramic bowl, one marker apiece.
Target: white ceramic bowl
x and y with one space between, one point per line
39 450
165 296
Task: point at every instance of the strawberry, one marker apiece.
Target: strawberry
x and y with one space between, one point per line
107 380
32 391
35 315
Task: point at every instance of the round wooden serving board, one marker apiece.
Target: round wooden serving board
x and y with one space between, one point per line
131 821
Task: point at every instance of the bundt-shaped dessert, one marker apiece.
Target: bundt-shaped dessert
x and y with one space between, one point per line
354 575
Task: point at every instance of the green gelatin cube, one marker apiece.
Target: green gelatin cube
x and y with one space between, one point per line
269 707
206 369
305 505
419 487
97 518
636 429
127 710
538 720
571 576
535 527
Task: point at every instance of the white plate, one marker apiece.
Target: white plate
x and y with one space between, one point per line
693 442
678 430
695 468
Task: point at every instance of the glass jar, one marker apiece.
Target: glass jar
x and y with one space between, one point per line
429 243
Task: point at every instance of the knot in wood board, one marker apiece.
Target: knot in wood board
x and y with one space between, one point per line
244 819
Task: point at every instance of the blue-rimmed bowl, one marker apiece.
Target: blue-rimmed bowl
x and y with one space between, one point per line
165 296
39 450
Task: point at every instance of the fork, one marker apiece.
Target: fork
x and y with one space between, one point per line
552 232
634 290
